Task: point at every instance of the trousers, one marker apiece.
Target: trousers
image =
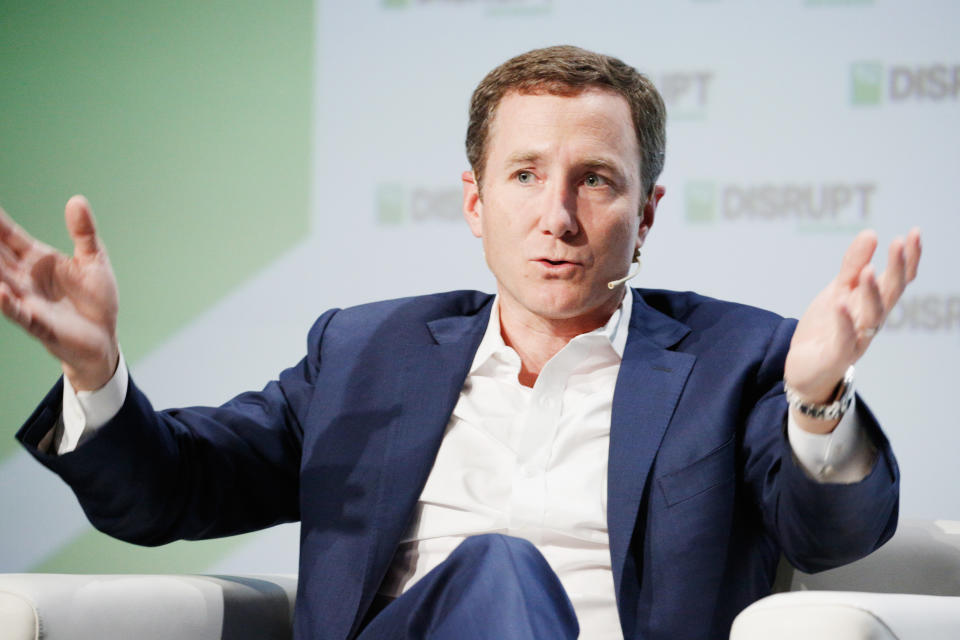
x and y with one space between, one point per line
491 586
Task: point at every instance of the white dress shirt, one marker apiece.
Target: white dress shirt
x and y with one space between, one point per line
526 462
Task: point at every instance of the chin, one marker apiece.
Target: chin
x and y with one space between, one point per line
566 305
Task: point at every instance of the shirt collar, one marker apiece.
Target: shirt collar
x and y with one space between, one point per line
615 331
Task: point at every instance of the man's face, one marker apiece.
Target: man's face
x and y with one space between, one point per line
560 214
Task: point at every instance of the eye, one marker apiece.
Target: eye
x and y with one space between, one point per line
593 180
525 177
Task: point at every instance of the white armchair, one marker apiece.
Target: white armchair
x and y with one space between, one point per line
146 607
908 590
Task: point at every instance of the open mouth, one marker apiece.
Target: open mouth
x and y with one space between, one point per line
558 267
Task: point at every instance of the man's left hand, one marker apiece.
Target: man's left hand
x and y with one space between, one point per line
843 319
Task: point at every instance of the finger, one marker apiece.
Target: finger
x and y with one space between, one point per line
11 306
12 236
10 272
894 277
847 324
11 284
912 250
848 336
8 302
82 230
870 312
858 254
26 316
8 261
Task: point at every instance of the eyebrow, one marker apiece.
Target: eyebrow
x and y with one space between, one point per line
523 157
602 163
611 167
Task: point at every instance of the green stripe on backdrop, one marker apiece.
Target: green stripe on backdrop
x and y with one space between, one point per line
94 552
187 125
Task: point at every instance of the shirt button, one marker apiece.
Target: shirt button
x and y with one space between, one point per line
528 471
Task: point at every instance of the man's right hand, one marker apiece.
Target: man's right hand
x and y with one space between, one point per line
68 304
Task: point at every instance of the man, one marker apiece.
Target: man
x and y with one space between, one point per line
640 440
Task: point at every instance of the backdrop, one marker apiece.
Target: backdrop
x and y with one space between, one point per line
251 168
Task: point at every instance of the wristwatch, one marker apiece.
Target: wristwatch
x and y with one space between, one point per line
832 411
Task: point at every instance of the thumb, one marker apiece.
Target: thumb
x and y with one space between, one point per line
81 227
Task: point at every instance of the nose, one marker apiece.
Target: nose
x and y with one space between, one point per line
559 216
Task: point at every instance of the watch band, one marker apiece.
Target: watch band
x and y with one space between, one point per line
832 411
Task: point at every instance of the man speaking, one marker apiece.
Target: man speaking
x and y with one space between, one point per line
569 456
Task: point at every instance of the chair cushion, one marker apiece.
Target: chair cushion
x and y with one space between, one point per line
849 615
147 607
18 618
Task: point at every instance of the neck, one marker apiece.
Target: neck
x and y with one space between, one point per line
537 339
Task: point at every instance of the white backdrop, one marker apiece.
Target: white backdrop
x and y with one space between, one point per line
792 125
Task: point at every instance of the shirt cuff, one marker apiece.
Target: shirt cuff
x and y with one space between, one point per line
86 411
845 455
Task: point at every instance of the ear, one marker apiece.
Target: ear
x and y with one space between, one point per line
649 213
472 206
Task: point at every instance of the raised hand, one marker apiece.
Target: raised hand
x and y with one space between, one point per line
843 319
68 304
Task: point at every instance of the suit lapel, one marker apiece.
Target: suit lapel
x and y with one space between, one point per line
648 387
433 372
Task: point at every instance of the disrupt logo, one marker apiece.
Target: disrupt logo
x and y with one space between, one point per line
870 83
829 204
398 205
686 93
931 312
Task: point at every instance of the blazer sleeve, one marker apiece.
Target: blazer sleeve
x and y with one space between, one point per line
817 525
152 477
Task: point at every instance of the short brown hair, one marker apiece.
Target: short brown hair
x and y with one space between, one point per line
567 71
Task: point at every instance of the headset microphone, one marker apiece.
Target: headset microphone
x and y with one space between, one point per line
615 283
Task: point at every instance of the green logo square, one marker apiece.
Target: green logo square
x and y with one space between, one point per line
866 83
395 4
700 199
391 209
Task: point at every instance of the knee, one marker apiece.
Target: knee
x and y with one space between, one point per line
497 545
506 572
502 580
503 557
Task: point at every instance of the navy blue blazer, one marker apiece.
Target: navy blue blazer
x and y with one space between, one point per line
703 491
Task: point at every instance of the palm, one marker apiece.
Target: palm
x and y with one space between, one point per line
825 342
68 303
840 323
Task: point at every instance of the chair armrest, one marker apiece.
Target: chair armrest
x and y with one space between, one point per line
18 618
923 557
146 607
850 615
